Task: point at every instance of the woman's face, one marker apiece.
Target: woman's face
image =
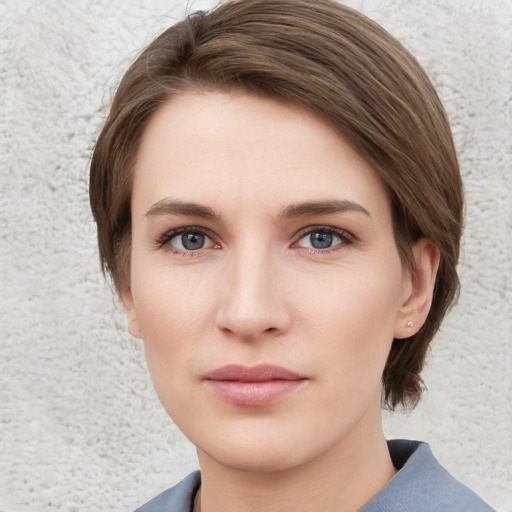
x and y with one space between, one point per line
265 280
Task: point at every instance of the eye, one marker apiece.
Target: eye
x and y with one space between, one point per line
324 238
186 240
189 241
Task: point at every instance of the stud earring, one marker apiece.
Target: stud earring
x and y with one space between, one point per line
410 324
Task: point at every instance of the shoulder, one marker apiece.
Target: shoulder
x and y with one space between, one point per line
422 484
176 499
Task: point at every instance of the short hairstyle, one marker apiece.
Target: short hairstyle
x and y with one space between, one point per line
336 62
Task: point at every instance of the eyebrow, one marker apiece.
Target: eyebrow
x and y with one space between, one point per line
191 209
321 208
174 207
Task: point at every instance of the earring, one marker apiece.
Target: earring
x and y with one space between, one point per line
410 324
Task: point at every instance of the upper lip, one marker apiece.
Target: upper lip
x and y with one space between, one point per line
259 373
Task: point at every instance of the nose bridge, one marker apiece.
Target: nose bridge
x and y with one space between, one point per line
251 304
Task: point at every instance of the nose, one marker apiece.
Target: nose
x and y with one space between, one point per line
253 303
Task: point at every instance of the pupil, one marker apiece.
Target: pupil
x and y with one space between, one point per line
192 241
321 240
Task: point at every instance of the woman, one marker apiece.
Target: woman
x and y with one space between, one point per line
279 204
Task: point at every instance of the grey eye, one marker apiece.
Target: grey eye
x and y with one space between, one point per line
321 240
192 241
187 241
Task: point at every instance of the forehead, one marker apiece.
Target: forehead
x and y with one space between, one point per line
213 147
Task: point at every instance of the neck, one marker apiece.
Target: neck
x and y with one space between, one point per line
341 480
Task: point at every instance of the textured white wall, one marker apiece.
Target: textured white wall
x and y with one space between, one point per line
80 425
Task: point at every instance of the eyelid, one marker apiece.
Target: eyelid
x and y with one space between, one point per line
345 236
163 241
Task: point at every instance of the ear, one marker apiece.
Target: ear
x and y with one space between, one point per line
129 310
418 289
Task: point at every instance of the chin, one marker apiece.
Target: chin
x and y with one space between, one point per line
253 460
263 449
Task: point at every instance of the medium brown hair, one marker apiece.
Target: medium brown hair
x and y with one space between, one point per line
336 62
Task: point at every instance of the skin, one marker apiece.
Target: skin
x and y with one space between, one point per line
259 292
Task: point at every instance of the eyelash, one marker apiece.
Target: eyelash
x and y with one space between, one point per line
163 242
347 239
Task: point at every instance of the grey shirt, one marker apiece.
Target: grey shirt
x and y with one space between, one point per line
420 485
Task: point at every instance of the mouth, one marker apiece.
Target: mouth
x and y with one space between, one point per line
253 386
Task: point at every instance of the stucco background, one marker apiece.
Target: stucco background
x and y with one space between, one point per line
80 425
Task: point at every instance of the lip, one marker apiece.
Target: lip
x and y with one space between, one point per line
253 386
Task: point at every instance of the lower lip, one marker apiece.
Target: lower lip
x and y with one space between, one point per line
253 394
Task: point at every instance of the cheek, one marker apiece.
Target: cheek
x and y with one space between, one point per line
174 315
170 332
354 313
